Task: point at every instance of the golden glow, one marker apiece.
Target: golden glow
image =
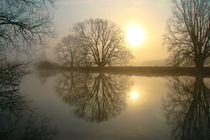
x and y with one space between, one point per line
134 35
134 95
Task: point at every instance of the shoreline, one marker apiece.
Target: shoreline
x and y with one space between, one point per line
141 70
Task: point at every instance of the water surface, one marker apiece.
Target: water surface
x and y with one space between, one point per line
98 106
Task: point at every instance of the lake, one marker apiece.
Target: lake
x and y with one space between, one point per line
100 106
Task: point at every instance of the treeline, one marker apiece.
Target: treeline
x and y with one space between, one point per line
47 65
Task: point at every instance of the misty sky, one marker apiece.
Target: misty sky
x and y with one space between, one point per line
151 15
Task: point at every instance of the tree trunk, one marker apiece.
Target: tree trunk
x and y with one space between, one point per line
199 62
101 65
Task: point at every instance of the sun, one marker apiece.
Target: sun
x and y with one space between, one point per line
134 95
134 35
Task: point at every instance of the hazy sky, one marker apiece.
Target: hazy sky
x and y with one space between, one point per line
151 15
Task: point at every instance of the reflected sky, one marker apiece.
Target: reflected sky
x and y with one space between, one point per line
95 97
18 120
136 112
187 108
140 117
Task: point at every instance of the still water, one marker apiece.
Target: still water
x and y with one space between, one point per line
97 106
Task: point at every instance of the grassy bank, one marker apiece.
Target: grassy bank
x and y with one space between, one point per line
159 71
129 70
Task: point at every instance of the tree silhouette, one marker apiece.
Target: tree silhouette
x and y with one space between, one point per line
188 32
23 22
95 97
104 42
187 109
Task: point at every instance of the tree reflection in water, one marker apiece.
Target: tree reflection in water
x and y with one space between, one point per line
96 97
187 109
18 121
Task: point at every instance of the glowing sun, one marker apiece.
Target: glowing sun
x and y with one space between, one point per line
134 95
134 35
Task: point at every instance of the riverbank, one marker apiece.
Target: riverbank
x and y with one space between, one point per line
159 71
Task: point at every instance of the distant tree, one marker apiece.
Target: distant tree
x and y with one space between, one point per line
104 42
70 51
23 22
188 32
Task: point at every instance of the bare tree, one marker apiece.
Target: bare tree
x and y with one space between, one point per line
23 22
188 32
104 41
70 51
